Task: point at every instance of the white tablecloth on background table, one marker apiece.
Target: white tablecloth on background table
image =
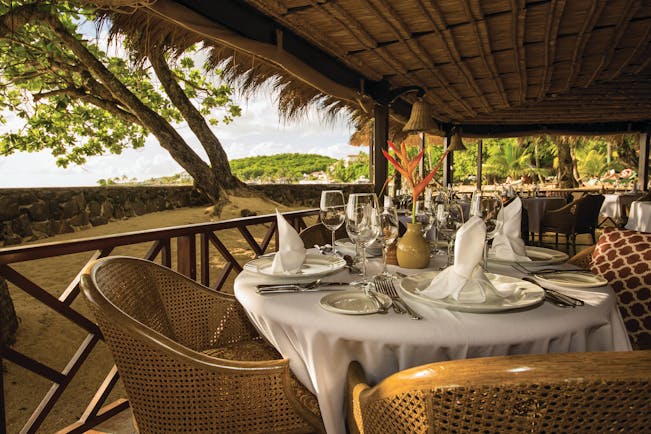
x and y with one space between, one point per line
639 218
615 205
536 208
320 344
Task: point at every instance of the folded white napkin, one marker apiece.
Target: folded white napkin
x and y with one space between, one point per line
291 252
508 243
465 281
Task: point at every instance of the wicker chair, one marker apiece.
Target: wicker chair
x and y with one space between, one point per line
559 221
586 216
189 358
318 234
572 392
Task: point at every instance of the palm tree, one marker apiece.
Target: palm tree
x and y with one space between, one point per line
508 158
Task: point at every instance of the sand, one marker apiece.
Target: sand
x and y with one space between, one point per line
52 339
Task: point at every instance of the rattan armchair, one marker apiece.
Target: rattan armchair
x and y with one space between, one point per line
189 358
572 392
559 221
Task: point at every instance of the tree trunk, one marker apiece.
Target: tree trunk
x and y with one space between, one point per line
8 319
565 165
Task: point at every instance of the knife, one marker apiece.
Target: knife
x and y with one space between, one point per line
293 288
304 285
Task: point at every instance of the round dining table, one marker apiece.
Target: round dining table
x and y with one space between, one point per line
536 208
639 218
320 343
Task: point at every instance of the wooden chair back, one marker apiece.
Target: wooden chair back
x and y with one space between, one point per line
573 392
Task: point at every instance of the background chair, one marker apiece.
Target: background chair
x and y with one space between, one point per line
586 216
571 392
188 357
559 221
320 235
623 258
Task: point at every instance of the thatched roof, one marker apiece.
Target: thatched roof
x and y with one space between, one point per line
490 66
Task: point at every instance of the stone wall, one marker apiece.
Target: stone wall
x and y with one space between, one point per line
28 214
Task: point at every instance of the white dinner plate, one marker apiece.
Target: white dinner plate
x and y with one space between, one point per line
347 247
538 256
530 295
353 302
570 279
315 265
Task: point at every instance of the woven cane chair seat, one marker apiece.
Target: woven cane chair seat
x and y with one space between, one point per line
550 393
188 356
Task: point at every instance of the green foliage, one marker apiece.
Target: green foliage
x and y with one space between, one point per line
290 167
351 171
66 109
505 157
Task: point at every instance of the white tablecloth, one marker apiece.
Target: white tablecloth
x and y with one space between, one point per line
639 218
536 207
615 205
320 344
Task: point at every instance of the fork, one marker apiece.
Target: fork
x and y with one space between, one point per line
380 286
389 287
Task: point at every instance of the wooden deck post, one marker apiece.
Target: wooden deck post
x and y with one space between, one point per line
448 173
643 165
380 137
186 256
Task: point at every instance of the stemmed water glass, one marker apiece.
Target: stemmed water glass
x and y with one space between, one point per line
389 227
449 218
332 211
488 208
363 225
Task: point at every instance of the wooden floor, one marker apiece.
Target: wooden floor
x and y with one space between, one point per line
123 422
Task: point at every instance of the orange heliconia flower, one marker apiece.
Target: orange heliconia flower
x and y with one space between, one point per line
407 168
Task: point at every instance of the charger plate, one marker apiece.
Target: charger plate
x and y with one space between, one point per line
531 294
314 266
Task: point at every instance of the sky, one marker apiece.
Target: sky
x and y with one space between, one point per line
259 131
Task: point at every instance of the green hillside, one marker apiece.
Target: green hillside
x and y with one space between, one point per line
272 167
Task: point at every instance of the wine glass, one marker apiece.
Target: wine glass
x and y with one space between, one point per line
389 228
363 225
488 208
449 218
332 211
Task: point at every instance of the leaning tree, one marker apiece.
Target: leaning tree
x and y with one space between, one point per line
77 101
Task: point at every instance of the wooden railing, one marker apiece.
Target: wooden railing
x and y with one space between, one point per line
195 248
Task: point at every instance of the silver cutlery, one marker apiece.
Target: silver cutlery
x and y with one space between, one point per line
522 269
557 298
315 285
381 308
387 287
380 286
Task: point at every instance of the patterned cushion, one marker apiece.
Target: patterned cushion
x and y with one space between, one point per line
623 257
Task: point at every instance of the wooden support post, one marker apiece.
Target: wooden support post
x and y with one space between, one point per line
448 174
480 162
186 256
380 137
643 164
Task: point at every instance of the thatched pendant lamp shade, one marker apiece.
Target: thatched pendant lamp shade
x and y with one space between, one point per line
456 142
420 119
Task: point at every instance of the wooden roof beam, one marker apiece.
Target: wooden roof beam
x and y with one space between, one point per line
402 34
480 31
533 129
622 25
551 35
255 27
596 9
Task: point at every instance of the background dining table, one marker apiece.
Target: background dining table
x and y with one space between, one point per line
639 218
320 344
536 208
616 204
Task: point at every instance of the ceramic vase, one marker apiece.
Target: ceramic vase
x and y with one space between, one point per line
412 250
